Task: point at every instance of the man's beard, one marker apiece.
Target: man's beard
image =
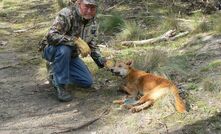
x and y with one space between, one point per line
87 17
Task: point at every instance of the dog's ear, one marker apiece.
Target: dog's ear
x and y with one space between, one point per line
129 63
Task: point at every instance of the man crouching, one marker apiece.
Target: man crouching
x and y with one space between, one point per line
72 33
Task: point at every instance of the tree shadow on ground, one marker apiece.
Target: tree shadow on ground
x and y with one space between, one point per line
210 125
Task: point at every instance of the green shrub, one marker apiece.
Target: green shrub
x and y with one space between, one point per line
203 27
111 24
169 23
216 19
131 31
209 84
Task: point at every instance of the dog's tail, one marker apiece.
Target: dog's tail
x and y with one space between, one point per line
179 104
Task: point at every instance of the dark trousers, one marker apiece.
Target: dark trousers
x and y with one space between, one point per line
65 68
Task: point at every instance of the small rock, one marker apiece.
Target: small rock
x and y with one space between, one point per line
3 43
75 111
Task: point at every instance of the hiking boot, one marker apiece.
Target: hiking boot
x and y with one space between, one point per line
62 94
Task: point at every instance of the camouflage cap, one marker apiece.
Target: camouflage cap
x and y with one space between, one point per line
92 2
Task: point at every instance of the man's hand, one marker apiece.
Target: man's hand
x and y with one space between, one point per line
109 64
83 46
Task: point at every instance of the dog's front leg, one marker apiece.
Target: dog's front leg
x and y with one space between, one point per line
143 99
118 102
122 87
131 90
121 101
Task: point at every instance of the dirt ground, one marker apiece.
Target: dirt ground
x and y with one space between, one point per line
27 104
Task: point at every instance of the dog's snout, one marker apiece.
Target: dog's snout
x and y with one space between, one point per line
117 73
112 70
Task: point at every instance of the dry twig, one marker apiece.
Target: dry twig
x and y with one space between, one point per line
71 129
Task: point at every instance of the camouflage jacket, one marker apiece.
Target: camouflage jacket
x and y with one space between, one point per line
69 24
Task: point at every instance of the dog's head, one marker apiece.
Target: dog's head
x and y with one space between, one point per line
121 68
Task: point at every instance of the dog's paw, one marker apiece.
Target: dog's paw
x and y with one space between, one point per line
127 106
135 109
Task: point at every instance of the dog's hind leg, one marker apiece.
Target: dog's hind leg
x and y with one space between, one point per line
141 101
142 106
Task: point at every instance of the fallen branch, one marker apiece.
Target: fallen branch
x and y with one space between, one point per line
71 129
9 66
161 17
180 35
165 125
161 38
169 35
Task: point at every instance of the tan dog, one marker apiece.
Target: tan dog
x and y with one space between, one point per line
151 87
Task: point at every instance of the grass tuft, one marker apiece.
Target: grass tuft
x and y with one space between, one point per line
112 23
131 31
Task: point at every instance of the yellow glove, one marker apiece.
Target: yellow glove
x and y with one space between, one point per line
83 46
109 64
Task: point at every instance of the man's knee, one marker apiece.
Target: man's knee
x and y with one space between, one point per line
64 50
87 83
